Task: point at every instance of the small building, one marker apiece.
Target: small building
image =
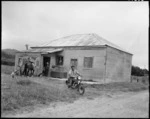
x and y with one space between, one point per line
93 56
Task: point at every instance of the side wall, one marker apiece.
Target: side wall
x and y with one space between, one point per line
118 65
97 72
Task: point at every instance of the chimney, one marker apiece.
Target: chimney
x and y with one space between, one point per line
26 46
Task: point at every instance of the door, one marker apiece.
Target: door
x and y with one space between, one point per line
46 65
74 62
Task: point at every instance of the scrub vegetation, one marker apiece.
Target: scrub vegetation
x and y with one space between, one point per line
27 93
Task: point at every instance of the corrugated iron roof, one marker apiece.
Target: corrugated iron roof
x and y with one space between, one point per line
43 50
81 40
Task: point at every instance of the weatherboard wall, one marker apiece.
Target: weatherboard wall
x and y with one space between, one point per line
109 64
97 72
118 65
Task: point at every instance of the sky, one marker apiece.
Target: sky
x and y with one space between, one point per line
122 23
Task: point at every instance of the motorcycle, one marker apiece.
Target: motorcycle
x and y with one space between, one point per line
77 85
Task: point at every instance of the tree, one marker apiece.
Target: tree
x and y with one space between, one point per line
137 71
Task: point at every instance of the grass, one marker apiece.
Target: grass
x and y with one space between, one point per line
6 69
24 82
23 92
89 80
143 79
120 86
29 92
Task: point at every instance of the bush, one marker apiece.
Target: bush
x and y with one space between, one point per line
7 58
7 63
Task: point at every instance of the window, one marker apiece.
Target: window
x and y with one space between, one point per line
74 62
59 60
88 62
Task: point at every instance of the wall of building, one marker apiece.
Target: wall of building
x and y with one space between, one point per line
97 72
118 65
117 68
39 69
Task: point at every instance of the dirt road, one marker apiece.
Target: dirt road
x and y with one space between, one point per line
131 104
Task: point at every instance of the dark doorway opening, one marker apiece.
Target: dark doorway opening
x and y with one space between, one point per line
45 60
46 65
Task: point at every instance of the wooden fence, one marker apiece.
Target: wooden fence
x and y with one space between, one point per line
143 79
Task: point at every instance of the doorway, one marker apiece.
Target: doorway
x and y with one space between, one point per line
46 65
45 60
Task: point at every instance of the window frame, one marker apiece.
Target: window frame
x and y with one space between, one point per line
57 64
91 63
76 60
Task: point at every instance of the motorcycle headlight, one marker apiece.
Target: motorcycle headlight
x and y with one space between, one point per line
79 77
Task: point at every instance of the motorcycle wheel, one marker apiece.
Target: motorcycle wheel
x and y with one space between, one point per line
81 90
74 85
67 82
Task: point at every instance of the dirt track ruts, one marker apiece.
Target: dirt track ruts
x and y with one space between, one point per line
131 104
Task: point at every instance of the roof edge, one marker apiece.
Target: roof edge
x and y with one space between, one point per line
80 46
119 49
66 46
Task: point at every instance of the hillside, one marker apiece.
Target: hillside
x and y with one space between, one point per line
10 51
8 56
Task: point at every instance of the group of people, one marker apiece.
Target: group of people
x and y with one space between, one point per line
26 69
